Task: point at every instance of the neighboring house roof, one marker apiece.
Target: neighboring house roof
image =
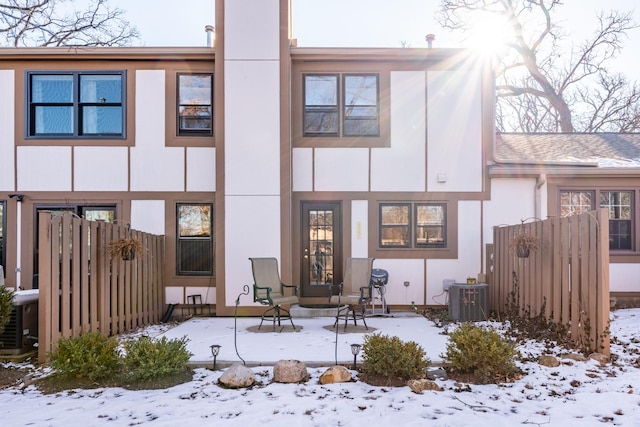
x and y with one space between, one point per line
604 150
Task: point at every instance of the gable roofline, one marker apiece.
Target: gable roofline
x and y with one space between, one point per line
601 150
84 52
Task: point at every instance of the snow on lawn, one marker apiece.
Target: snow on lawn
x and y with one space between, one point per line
587 393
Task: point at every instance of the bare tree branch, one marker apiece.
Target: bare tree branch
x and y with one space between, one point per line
59 23
543 86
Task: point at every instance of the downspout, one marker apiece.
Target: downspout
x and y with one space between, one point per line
537 201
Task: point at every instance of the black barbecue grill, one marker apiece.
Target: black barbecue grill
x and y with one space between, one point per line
379 280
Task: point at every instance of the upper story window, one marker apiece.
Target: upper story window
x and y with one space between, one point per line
618 203
195 104
413 225
70 104
341 105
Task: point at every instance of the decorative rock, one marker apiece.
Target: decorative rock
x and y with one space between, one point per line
598 357
290 371
575 357
335 374
237 376
437 374
548 361
418 386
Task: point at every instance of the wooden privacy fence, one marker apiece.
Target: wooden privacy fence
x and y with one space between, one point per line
568 276
82 289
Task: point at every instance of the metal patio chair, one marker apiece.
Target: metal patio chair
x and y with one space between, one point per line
355 290
269 290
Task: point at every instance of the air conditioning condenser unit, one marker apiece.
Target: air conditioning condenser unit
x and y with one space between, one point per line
468 303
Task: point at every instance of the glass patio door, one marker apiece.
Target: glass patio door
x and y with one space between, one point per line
321 247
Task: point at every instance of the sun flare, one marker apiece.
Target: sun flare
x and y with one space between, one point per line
489 33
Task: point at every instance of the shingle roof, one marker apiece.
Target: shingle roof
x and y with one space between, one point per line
605 149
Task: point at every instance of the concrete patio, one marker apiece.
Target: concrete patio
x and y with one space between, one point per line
313 341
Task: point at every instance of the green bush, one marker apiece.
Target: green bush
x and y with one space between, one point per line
147 358
90 355
481 352
6 305
391 358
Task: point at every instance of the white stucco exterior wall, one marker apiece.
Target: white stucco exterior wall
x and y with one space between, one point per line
341 169
252 127
154 167
454 130
148 216
501 209
100 169
252 30
302 169
624 277
252 227
7 134
252 139
401 167
43 168
201 169
400 271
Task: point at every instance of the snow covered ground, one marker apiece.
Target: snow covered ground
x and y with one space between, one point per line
584 393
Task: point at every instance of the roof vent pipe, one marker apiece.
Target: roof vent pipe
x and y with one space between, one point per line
211 35
430 38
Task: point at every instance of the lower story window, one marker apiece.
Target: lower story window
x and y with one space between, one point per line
413 225
618 203
194 240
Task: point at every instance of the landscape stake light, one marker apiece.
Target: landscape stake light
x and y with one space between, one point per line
215 349
355 349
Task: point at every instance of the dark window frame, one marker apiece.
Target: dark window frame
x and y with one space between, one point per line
182 242
442 226
341 106
412 226
194 132
76 104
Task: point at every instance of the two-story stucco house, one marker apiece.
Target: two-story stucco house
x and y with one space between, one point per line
256 147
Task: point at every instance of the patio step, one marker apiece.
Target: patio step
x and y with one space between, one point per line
303 311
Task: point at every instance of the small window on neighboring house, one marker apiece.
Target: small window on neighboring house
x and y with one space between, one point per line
618 203
76 104
575 202
346 108
194 240
195 104
620 208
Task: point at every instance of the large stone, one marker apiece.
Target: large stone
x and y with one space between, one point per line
599 357
418 386
575 357
548 361
335 374
290 371
237 376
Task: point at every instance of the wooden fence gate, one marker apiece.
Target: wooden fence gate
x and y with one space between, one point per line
568 276
82 289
